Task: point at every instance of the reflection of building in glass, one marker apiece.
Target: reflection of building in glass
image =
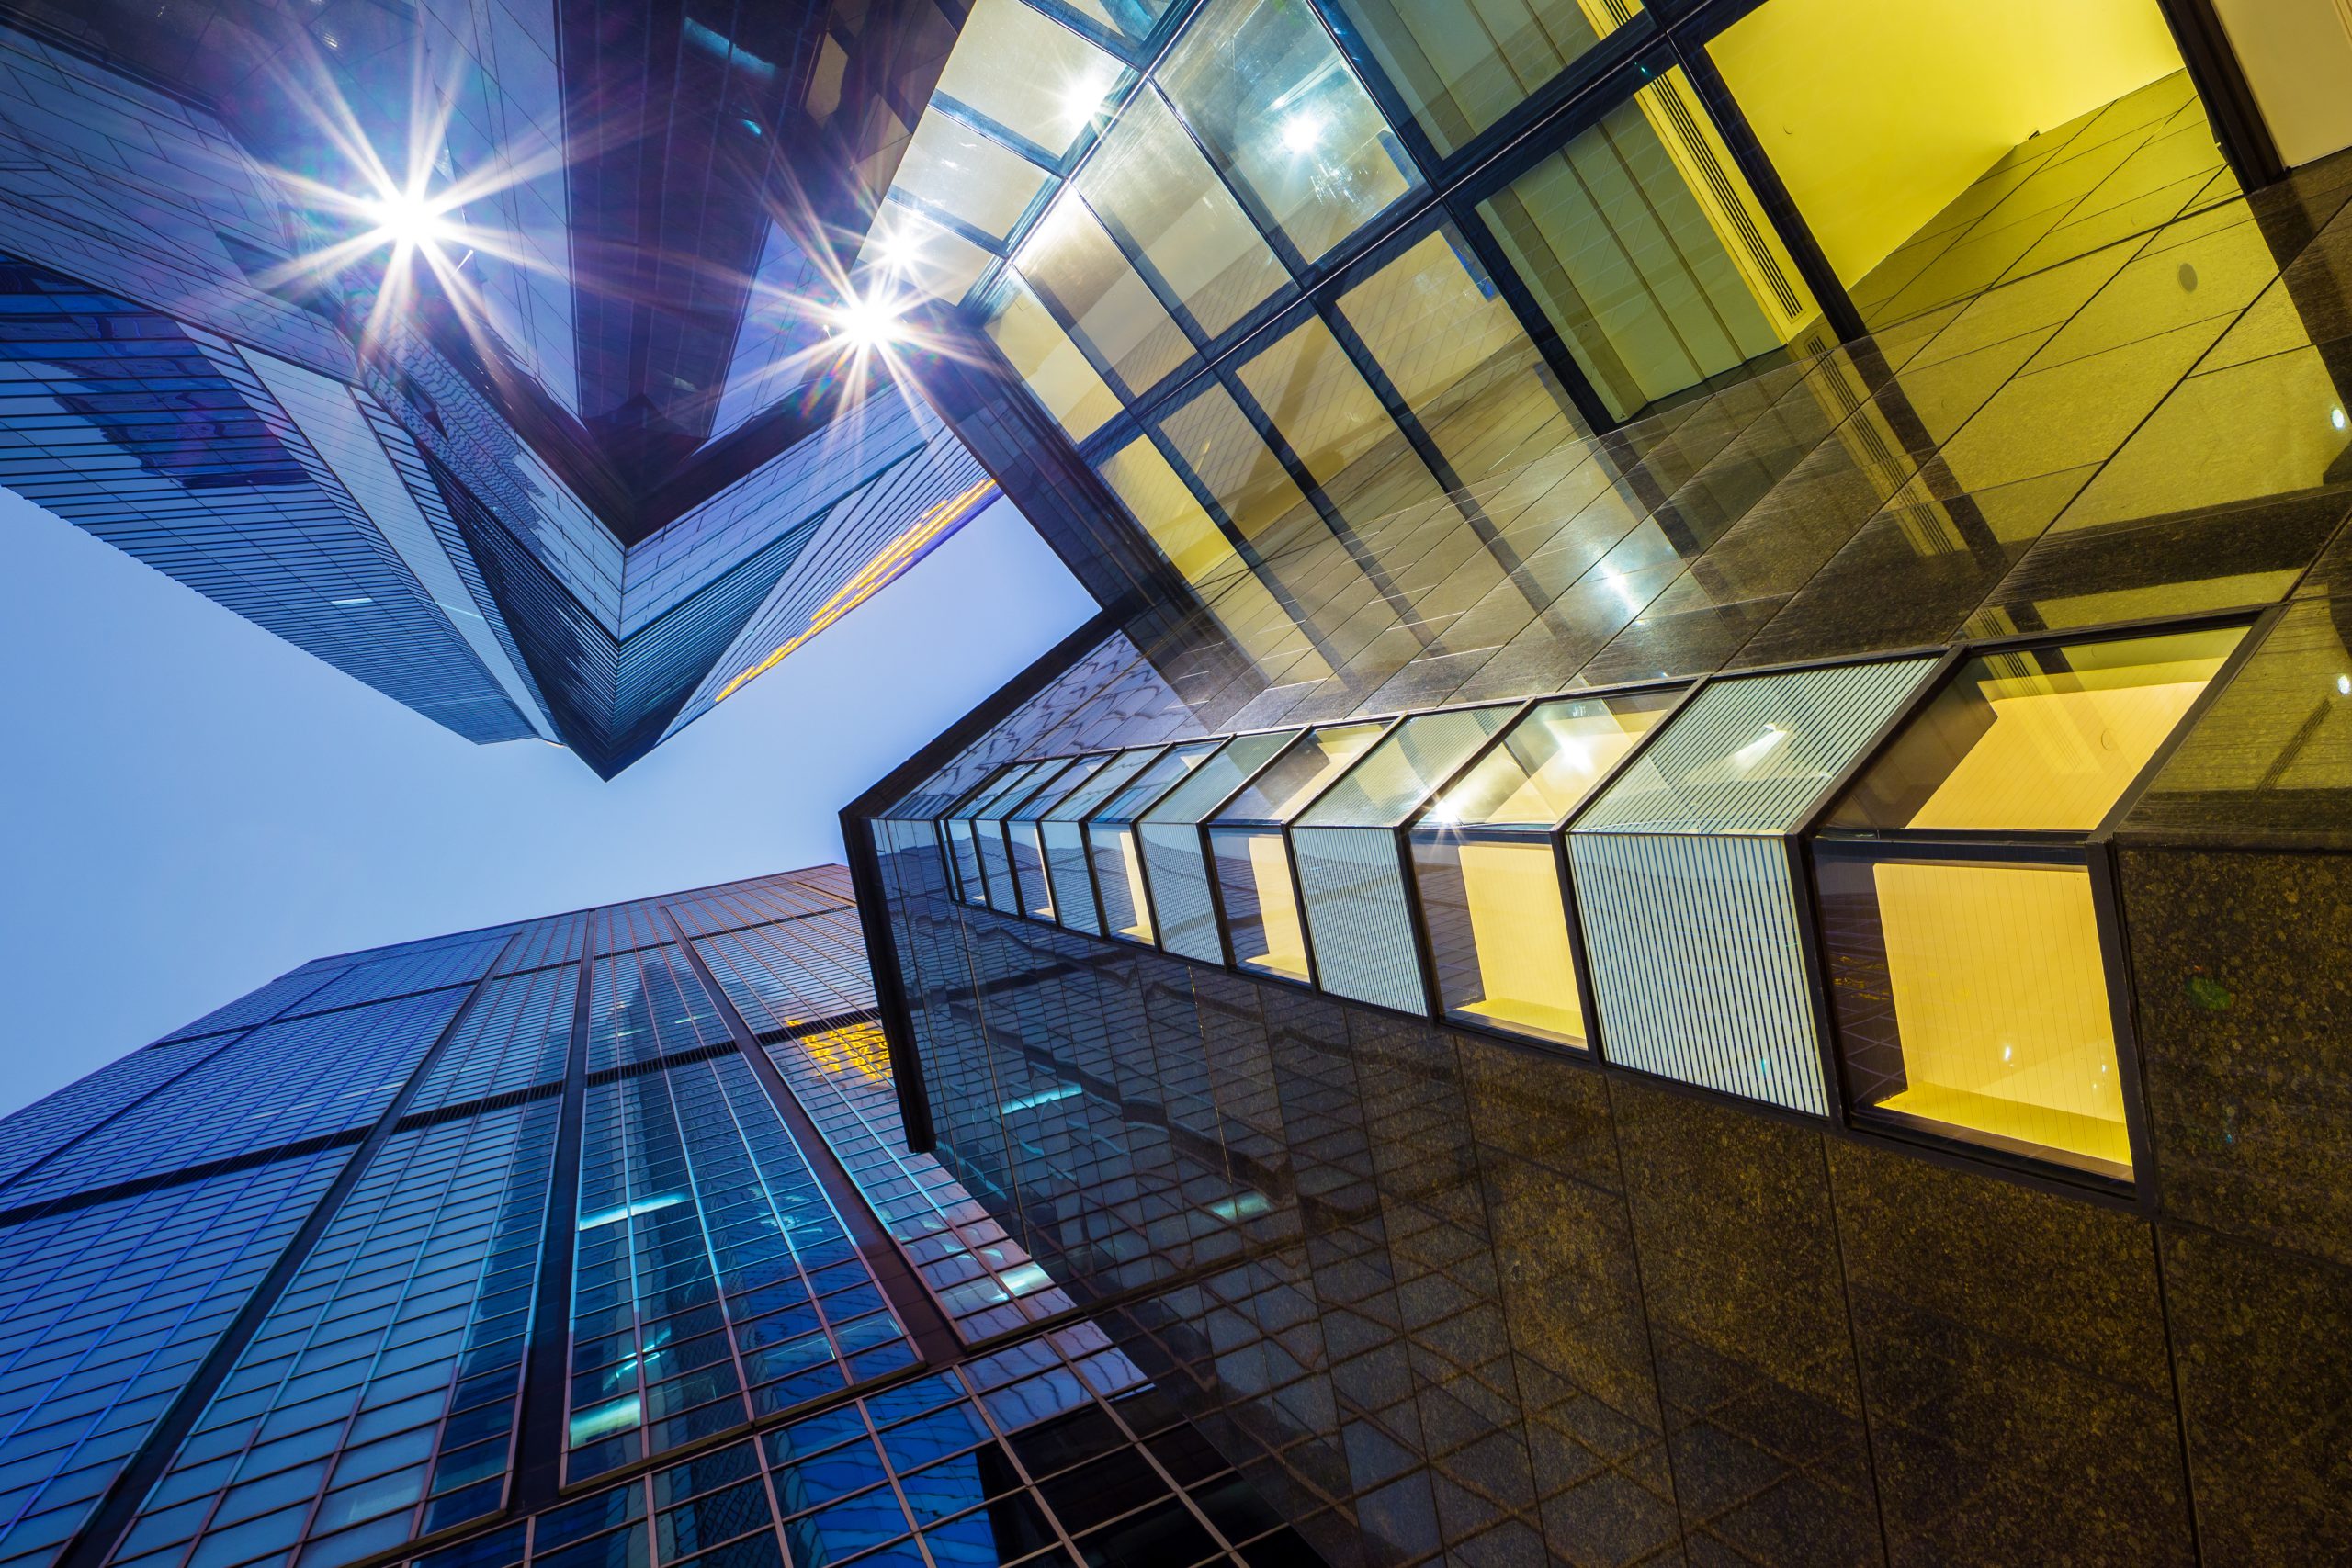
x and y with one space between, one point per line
1725 936
588 1239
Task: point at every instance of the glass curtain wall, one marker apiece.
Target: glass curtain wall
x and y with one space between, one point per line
1307 282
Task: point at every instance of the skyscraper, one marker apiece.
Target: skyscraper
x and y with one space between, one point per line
587 1239
1695 908
1689 902
503 387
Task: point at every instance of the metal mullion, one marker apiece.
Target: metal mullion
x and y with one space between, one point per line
1290 846
1534 320
2258 632
440 1423
1113 378
1258 564
981 124
1227 375
838 1189
1764 183
1406 421
711 1249
542 1445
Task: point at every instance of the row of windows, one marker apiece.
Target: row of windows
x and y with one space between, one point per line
783 976
1901 859
713 1280
517 1035
1050 1453
327 1073
1552 217
379 1399
109 1309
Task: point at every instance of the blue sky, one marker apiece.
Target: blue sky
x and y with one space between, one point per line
194 807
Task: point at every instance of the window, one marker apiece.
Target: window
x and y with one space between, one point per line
1649 254
1253 867
1168 836
1485 861
1934 150
1267 90
1961 920
1685 882
1351 855
1463 64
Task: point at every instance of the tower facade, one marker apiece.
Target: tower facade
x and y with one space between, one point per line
587 1239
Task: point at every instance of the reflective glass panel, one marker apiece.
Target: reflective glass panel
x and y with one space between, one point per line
1648 251
1549 761
1169 840
1418 755
1458 357
1029 74
1108 781
1155 781
1069 261
1265 88
1463 64
1149 182
956 170
1117 860
1169 512
1302 771
1972 998
1042 355
1229 457
1025 831
2038 739
1214 779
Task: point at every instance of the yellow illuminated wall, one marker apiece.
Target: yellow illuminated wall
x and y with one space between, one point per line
1285 940
1131 862
2001 1001
1520 931
2056 760
1877 113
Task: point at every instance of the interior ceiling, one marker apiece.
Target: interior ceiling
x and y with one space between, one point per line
692 127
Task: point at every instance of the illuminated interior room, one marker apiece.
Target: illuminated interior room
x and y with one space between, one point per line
1488 868
1061 836
1351 855
1114 851
1935 149
1251 856
1175 863
1960 880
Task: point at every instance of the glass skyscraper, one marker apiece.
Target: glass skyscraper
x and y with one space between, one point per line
536 488
1689 902
587 1240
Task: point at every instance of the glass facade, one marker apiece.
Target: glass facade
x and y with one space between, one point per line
1759 1175
466 513
596 1239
